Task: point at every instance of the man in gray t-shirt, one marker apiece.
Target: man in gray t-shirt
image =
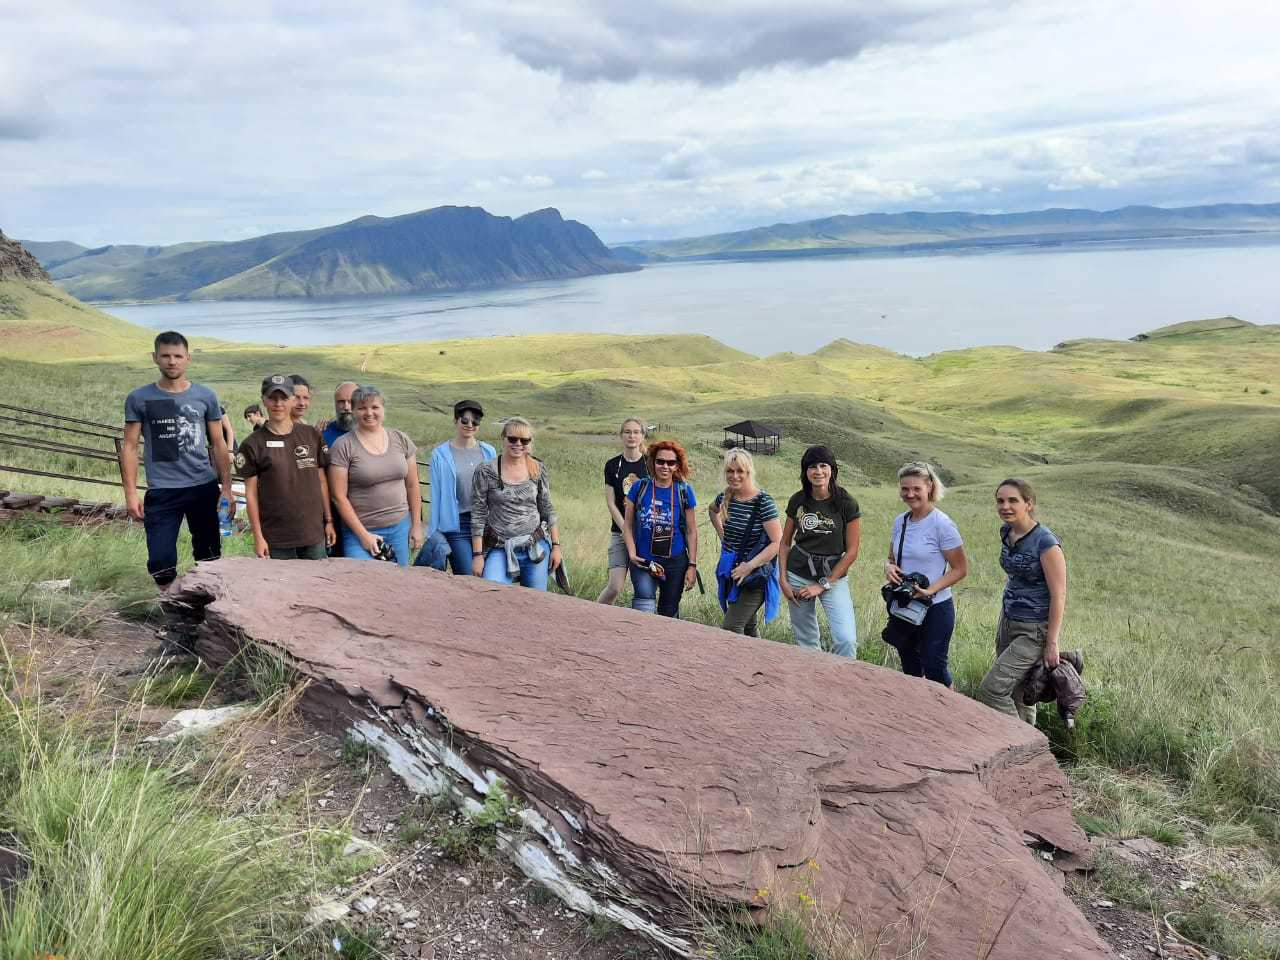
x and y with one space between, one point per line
185 454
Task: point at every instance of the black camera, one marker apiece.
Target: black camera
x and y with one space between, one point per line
904 592
384 551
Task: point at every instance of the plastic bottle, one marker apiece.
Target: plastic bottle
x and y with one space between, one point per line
224 517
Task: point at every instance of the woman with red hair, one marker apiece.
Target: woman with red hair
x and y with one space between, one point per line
661 531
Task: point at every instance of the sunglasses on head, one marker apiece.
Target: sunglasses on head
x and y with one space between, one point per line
523 441
665 463
469 421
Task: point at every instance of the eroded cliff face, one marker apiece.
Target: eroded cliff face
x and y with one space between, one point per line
17 264
662 764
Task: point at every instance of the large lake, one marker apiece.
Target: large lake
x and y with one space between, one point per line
912 304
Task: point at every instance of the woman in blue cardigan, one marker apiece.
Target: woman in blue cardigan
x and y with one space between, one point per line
452 465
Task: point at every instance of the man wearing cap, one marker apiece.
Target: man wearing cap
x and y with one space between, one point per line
452 465
187 464
283 466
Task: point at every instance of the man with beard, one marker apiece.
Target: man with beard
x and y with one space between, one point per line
188 466
343 420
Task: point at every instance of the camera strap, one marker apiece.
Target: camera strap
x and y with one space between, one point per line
902 539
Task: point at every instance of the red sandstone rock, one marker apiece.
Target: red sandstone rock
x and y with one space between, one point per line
676 762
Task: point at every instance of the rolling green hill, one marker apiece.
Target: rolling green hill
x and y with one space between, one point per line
1157 462
445 248
890 231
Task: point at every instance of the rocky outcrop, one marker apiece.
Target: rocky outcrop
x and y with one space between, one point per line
664 764
17 264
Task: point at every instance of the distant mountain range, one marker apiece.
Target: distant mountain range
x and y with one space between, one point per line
925 232
446 248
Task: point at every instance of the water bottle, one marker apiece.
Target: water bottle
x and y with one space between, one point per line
224 517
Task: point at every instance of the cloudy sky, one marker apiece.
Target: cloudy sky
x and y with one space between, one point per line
160 122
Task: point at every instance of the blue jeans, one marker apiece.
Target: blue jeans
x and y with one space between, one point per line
163 511
531 574
397 535
460 546
659 596
838 604
924 650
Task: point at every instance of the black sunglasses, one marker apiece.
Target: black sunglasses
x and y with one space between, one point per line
469 421
665 463
523 441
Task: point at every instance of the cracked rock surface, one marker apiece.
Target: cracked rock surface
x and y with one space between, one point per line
687 763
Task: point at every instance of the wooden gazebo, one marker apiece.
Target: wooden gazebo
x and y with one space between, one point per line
753 436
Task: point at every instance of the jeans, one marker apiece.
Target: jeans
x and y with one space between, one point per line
315 551
1019 647
659 596
460 546
838 604
531 574
397 535
741 615
163 512
924 649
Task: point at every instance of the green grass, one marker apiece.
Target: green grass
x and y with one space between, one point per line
123 864
1155 467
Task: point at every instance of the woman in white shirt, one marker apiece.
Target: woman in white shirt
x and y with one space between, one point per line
925 541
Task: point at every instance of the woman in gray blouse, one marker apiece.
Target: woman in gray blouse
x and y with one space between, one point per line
1034 601
514 537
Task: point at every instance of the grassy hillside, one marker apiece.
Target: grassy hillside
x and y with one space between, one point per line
1158 464
37 320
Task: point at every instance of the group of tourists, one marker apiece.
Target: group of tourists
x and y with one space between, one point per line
350 487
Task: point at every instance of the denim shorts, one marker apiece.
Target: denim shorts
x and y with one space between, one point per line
618 551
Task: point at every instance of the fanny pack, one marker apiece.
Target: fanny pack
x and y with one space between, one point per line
820 564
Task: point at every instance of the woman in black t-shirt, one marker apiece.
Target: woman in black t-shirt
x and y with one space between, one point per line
819 544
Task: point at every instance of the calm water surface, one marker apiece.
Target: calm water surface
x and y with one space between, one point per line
915 305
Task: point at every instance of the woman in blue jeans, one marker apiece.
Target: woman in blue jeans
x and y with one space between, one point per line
373 480
453 465
925 540
514 536
660 530
820 542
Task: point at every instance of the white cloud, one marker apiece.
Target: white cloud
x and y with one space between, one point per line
1081 177
686 162
245 117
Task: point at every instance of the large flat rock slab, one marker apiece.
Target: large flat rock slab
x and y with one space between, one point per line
665 763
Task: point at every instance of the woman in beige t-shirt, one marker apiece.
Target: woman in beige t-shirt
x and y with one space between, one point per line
373 479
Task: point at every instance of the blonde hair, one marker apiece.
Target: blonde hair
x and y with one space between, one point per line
925 471
743 459
531 462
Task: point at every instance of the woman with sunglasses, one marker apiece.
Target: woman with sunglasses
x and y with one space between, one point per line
453 465
514 536
660 530
746 520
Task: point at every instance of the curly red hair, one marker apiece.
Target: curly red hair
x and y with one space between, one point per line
682 471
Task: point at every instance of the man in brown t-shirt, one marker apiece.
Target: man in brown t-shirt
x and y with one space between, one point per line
287 495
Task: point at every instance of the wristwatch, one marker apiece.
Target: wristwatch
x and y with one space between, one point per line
824 583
